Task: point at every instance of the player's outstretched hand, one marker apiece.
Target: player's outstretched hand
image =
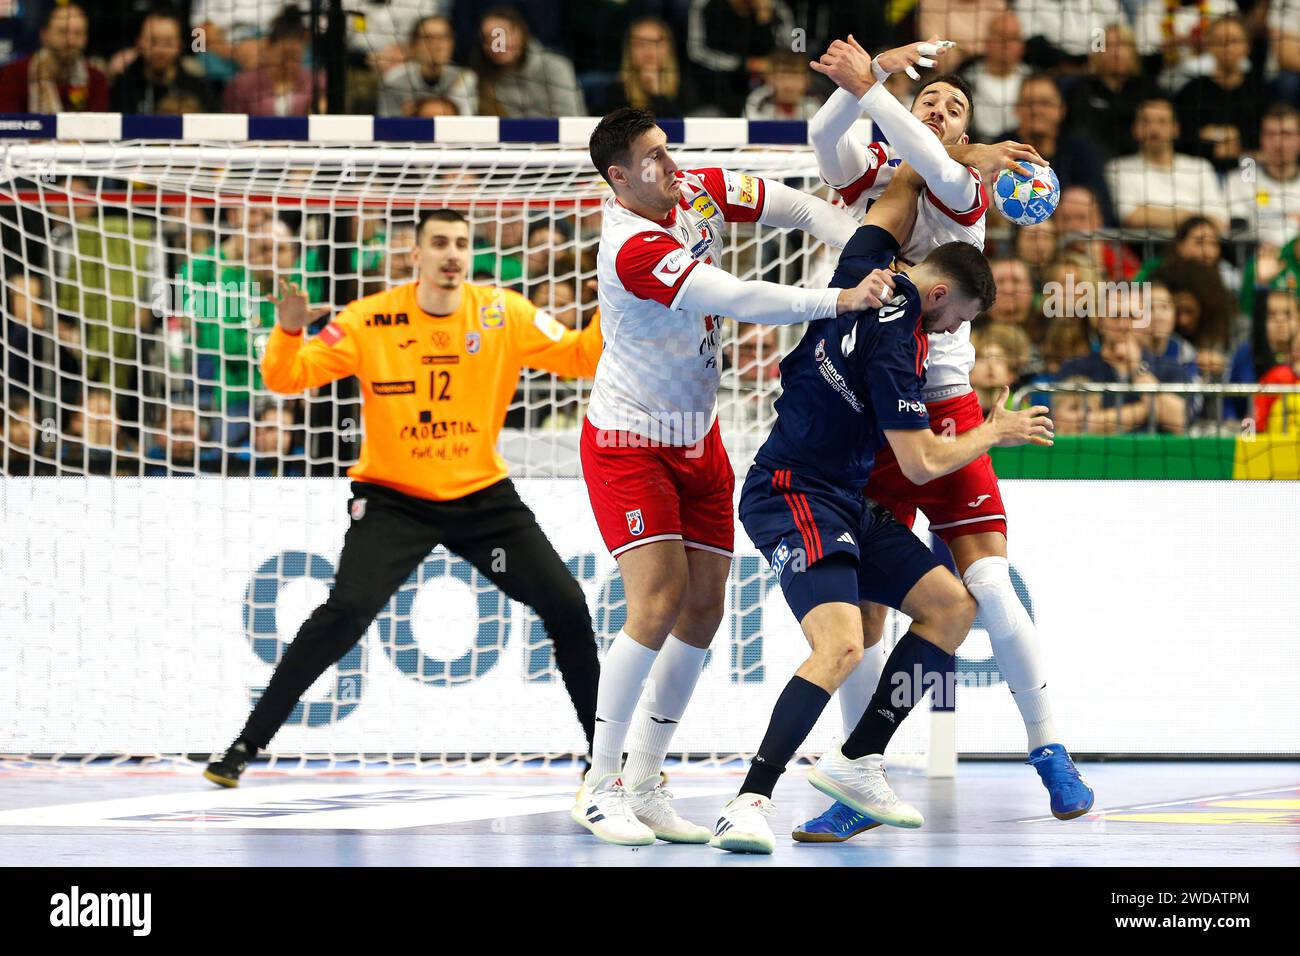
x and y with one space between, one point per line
871 293
1029 426
991 158
291 308
848 65
905 59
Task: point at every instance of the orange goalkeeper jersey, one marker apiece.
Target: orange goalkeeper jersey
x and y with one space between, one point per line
435 389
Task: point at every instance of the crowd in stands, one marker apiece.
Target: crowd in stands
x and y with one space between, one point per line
1172 126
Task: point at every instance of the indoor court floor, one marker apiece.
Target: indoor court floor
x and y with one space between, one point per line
992 814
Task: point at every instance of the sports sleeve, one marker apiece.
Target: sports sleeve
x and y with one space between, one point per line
947 180
711 290
740 196
293 363
541 341
844 162
870 248
895 364
653 265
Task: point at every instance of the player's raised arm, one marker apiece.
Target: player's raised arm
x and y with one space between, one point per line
291 365
851 67
711 290
541 341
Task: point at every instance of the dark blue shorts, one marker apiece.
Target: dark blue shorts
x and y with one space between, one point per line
829 544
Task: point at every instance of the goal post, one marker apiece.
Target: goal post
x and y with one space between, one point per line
170 522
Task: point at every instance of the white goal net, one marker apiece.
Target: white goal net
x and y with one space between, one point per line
169 521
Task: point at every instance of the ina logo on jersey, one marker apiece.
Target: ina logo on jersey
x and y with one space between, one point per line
635 523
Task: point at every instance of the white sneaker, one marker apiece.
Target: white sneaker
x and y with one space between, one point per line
743 828
862 785
652 803
605 808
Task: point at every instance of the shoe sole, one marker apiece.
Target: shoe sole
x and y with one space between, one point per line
1075 814
221 781
741 845
832 790
692 839
581 821
807 836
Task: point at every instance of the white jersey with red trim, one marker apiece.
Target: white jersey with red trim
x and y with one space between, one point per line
658 375
952 357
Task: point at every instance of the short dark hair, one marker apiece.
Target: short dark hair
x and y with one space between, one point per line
952 79
967 267
54 9
1156 98
288 25
418 25
611 140
438 215
1193 222
1280 110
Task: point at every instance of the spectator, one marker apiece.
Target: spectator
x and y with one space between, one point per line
282 86
1283 66
94 443
1040 113
1065 341
1015 305
785 94
174 451
1203 311
995 80
155 74
27 334
429 72
377 29
650 76
1158 188
56 78
234 33
751 373
966 22
1103 102
1064 29
274 444
591 25
1219 113
1079 219
1001 356
1036 246
559 299
1265 195
1120 360
1280 414
1198 241
24 452
1169 34
518 76
1260 352
1159 338
729 42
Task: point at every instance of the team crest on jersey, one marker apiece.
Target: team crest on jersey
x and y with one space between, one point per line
472 342
819 353
635 523
779 557
493 315
357 509
705 206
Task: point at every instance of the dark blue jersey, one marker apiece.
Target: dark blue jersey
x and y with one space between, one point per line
851 377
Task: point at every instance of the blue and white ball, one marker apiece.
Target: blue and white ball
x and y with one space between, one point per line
1027 200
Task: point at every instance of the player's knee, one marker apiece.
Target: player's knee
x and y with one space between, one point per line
989 582
873 623
951 616
656 612
841 654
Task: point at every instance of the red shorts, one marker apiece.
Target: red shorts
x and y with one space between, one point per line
642 492
965 502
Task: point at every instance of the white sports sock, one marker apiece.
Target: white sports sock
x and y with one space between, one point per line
623 674
855 693
672 681
1015 645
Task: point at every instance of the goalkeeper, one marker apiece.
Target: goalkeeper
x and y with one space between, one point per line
438 360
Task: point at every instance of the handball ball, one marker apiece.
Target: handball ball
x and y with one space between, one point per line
1027 200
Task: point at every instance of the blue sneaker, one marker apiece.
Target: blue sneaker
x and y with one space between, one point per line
839 823
1070 793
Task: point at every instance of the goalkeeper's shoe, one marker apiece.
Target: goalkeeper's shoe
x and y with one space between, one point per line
1071 796
653 806
863 785
605 808
840 822
227 771
743 826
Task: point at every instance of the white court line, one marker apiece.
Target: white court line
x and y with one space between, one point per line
309 806
1168 803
